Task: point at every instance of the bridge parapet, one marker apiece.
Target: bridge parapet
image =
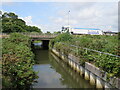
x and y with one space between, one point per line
33 35
39 35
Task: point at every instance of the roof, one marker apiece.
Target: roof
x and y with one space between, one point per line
87 28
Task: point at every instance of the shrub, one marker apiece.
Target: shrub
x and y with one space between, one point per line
17 62
107 44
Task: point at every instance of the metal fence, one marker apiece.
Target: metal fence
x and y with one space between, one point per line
92 50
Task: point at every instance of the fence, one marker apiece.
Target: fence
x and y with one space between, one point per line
91 50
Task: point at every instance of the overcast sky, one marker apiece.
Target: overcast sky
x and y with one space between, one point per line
51 16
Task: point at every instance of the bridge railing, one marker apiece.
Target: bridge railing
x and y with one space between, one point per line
40 35
44 35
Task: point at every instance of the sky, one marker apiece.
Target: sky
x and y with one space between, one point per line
51 16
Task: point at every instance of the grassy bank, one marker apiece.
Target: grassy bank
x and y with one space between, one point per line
85 48
17 62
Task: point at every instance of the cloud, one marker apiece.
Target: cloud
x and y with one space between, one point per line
28 20
43 27
102 15
91 15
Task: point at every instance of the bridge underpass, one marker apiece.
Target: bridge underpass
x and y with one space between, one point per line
45 42
45 38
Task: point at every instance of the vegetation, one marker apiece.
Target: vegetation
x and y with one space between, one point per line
48 32
37 41
84 47
17 62
11 23
58 32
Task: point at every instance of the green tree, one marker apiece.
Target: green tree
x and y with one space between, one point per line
32 29
11 23
10 15
58 32
48 32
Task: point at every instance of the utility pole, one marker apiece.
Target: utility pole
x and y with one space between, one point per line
68 20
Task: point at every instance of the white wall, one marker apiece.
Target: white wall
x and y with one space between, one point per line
85 31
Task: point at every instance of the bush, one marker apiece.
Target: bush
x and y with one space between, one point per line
65 37
107 44
17 62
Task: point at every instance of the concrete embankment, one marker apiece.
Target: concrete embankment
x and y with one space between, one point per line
90 72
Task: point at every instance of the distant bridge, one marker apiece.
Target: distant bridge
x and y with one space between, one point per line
42 37
45 38
36 36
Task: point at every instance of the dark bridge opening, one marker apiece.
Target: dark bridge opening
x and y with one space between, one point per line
44 44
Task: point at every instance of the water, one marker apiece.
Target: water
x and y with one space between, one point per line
37 44
54 73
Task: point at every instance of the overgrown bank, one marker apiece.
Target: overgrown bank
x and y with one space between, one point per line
17 62
89 48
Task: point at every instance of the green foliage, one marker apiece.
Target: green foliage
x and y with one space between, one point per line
37 41
58 32
65 37
17 62
48 33
11 23
107 44
32 29
9 15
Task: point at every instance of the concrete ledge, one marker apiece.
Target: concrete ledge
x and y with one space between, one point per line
72 57
55 52
107 86
115 81
82 71
99 83
87 75
101 74
92 79
90 72
78 69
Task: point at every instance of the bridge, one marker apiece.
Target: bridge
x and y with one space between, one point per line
33 36
45 38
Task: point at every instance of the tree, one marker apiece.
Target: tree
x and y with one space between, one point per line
11 23
48 32
32 29
58 32
10 15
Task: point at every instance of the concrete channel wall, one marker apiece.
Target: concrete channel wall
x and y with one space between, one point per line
90 72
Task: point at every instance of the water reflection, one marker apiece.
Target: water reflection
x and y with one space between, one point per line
54 73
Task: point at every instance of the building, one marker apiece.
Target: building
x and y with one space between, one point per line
65 28
110 33
80 31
